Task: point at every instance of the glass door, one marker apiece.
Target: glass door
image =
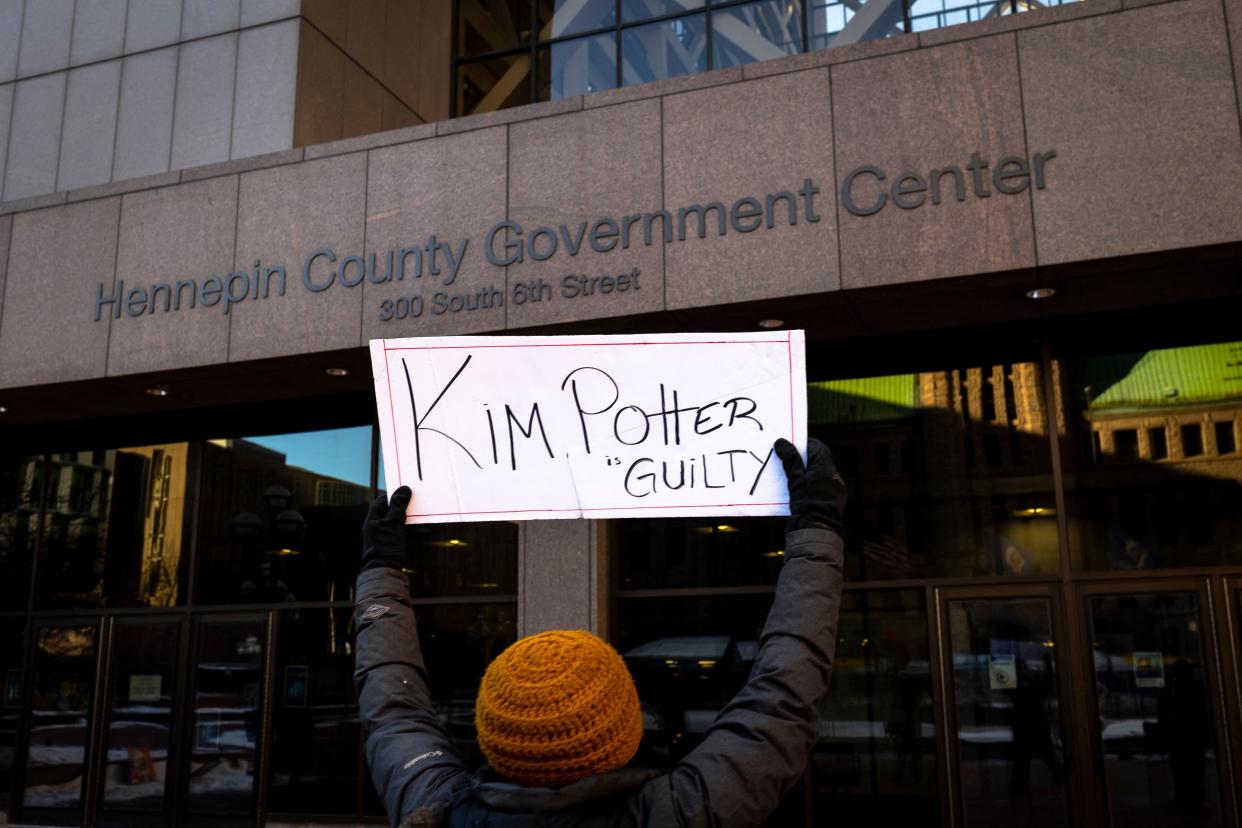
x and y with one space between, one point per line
139 720
1159 738
1003 690
1229 597
53 778
227 701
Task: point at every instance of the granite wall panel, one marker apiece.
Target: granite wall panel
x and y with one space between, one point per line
580 176
937 124
286 215
728 144
1146 160
169 234
60 259
438 197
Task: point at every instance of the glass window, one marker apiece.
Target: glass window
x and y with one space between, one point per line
492 26
1009 741
12 637
826 18
688 655
279 516
1192 440
497 82
226 717
1225 443
667 553
1125 445
459 559
1158 446
64 679
875 758
115 528
459 641
316 747
139 718
578 67
574 16
21 483
1155 712
937 14
756 31
973 493
633 10
1126 510
666 49
498 42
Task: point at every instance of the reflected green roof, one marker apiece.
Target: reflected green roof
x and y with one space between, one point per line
862 400
1170 376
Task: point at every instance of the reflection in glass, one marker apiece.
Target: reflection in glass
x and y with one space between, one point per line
315 735
632 10
21 481
1008 712
459 641
825 18
578 67
665 553
756 31
492 26
1152 475
937 14
225 723
495 82
1155 715
115 528
60 709
875 757
279 516
664 50
688 657
949 471
139 724
455 559
573 16
11 651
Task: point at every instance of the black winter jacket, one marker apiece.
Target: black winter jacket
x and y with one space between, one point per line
752 754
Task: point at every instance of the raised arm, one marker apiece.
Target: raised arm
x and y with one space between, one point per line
411 756
759 745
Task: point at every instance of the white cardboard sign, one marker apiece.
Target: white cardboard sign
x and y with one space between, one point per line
522 428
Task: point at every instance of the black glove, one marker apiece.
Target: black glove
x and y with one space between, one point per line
383 533
816 491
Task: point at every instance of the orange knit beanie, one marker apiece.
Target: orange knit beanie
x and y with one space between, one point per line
556 707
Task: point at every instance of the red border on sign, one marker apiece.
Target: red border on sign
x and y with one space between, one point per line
787 342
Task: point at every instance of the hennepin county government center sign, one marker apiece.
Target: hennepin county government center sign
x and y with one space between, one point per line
865 191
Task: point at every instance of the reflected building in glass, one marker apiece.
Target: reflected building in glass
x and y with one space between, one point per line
1013 245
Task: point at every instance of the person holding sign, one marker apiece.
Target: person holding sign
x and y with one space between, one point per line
558 716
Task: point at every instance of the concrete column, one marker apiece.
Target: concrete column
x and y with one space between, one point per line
561 583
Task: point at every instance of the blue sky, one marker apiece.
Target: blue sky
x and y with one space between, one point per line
343 453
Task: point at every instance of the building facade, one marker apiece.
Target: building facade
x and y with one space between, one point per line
1011 231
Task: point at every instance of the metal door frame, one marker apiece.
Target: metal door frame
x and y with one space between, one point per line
1224 722
943 678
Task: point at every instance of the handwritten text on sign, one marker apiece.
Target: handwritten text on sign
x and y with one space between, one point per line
509 428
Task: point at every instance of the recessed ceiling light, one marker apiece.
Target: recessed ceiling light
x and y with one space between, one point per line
1041 293
157 391
4 409
337 372
771 323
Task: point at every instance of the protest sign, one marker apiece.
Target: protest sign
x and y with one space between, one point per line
514 428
